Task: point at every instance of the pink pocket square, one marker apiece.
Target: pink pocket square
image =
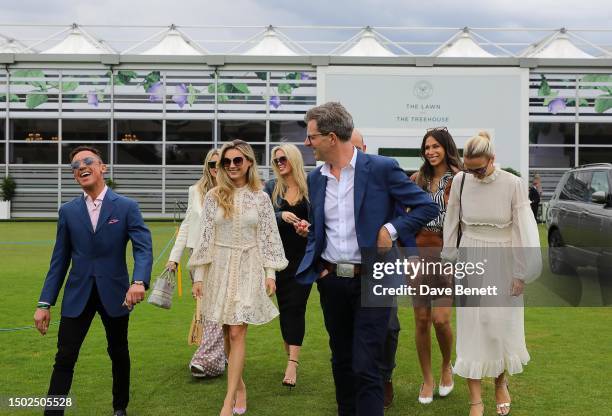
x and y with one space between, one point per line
113 221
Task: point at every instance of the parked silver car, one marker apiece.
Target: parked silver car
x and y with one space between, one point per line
579 221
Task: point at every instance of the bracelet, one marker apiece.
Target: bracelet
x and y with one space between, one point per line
43 306
138 282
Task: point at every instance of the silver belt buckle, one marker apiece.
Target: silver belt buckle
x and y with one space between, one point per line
345 270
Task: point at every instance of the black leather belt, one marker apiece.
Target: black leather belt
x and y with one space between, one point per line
342 269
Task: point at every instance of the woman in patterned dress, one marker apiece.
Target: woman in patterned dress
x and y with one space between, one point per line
235 260
441 163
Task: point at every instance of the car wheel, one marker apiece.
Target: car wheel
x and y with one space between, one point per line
556 253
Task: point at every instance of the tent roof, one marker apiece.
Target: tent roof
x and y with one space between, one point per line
173 43
368 45
78 41
559 45
463 45
271 44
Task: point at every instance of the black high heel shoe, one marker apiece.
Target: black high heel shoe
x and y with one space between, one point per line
287 382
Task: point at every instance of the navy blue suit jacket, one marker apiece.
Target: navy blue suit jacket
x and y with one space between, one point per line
380 187
97 255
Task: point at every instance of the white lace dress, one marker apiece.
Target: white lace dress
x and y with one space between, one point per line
234 256
498 225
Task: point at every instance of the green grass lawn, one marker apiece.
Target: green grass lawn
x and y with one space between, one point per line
571 353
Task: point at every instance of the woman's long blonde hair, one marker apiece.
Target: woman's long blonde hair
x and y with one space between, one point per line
207 181
224 192
294 156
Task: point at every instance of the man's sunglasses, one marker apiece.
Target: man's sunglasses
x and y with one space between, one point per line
212 165
88 161
227 162
282 160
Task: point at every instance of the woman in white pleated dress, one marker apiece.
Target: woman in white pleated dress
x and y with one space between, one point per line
496 224
235 259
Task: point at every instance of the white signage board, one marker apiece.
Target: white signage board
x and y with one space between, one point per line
393 106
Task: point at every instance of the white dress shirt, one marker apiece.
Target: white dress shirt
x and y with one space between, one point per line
340 232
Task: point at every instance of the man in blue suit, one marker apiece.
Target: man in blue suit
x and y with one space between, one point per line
342 225
92 234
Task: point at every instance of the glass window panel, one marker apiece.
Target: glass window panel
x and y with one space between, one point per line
247 130
552 133
186 154
599 182
551 157
290 131
595 133
138 130
138 154
576 187
68 147
33 152
85 130
189 130
34 130
594 155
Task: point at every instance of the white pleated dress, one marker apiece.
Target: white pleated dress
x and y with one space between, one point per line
234 256
497 223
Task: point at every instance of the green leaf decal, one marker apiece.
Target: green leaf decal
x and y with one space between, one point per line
285 89
150 79
544 90
603 103
193 94
262 75
69 86
551 96
12 98
34 100
124 77
241 88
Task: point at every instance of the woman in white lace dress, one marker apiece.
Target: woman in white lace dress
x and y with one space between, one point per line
235 260
496 224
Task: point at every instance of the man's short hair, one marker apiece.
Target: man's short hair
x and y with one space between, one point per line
332 117
92 149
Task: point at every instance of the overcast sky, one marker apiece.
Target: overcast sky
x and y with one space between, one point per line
453 13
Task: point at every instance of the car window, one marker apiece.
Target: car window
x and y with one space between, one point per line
599 182
577 187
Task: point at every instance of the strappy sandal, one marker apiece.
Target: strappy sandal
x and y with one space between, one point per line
478 403
288 382
503 409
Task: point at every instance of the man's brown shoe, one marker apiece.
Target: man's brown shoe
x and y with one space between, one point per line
388 394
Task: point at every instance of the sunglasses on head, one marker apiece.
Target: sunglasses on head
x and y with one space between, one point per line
227 162
212 165
282 160
88 161
442 128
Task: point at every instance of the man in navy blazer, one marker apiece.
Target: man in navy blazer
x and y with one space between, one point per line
354 199
92 234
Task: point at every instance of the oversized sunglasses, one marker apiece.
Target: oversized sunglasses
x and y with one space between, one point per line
478 172
442 128
227 162
88 161
212 165
282 160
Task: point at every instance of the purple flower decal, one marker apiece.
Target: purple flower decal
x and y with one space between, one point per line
92 98
304 76
180 95
156 92
275 101
557 105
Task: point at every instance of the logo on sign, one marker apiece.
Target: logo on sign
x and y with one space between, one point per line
423 90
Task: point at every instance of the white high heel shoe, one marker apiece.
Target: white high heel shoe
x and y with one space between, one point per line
425 400
444 391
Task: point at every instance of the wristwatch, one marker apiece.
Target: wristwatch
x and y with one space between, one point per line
138 282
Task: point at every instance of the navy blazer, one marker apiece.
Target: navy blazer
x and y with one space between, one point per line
97 255
383 184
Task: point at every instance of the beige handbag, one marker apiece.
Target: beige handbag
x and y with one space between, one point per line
163 288
196 328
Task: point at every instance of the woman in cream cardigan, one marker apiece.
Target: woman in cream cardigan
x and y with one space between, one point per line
209 359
